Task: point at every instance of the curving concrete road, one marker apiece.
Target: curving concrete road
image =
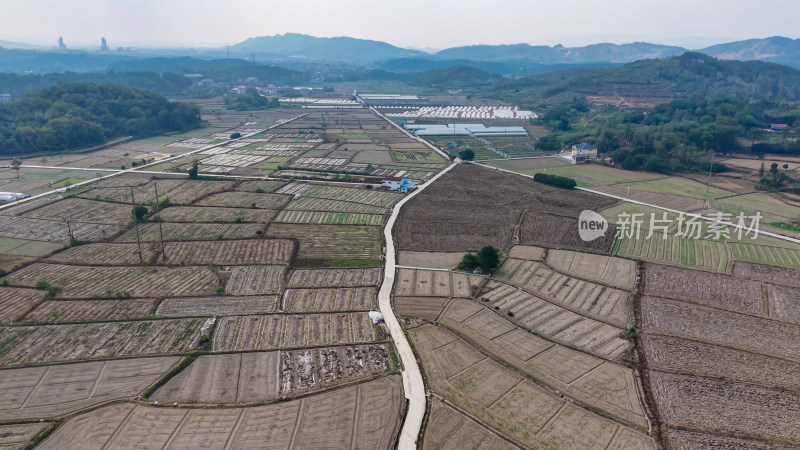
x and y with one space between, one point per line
413 384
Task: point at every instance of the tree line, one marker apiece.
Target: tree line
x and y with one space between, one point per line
676 136
77 115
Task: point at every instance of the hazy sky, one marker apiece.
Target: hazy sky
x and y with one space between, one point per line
418 23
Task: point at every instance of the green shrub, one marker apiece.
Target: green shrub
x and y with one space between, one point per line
468 263
139 211
555 180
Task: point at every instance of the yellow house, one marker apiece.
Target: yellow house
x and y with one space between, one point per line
584 149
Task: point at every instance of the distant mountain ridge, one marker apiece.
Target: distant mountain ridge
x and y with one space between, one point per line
558 54
776 49
291 50
335 49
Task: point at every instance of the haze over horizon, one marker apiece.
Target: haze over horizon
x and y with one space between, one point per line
206 23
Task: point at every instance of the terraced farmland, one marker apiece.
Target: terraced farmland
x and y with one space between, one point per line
60 311
321 204
151 232
248 251
90 282
51 391
216 306
606 386
695 253
328 218
25 345
332 245
382 199
245 200
82 210
767 273
367 415
449 429
211 214
607 270
334 299
312 278
557 323
179 192
288 331
763 254
15 302
105 254
600 302
254 280
512 404
55 230
437 283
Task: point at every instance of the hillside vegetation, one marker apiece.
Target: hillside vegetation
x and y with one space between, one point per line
681 76
75 115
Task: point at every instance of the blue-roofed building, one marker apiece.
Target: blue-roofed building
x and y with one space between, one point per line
403 185
778 126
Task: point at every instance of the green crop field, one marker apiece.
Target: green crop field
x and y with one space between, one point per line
329 218
273 162
332 245
69 182
763 254
590 174
695 253
771 209
682 187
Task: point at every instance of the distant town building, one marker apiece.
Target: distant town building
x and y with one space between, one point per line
269 89
778 126
5 98
587 150
239 90
403 185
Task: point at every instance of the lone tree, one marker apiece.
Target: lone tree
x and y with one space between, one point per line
466 155
194 169
488 258
15 164
236 135
469 262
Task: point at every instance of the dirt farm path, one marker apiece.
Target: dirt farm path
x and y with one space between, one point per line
413 384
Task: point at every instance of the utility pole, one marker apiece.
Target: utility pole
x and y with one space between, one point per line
136 222
158 217
710 169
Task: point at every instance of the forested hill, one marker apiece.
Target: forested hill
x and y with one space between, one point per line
678 77
76 115
454 77
166 83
